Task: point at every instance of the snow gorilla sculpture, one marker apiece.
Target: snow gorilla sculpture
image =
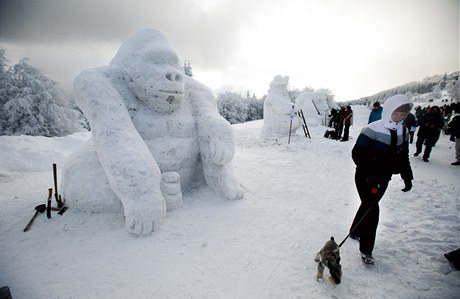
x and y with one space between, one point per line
155 132
277 110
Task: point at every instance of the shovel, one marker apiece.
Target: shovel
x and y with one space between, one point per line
38 209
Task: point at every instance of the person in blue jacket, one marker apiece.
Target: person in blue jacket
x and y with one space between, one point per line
381 150
376 113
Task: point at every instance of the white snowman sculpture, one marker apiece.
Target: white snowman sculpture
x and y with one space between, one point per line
278 111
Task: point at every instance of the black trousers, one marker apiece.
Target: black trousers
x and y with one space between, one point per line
429 142
366 219
346 132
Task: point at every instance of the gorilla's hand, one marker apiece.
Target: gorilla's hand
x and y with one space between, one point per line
221 153
144 216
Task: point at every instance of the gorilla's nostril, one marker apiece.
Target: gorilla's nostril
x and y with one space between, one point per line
173 76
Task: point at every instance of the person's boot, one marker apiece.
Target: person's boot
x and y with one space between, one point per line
454 258
367 259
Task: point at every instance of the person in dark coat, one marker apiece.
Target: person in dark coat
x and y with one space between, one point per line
347 119
453 128
430 125
333 118
339 127
411 123
381 150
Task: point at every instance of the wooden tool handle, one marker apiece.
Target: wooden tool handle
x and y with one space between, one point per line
48 204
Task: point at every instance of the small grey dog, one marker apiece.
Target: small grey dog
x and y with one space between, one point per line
329 256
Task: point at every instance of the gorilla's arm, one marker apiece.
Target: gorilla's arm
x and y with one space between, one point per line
216 141
132 172
215 133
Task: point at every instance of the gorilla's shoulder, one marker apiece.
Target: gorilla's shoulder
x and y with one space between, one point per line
112 73
194 87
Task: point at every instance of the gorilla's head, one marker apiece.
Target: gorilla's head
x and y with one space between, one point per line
153 71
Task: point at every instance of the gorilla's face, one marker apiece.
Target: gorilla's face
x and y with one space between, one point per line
157 79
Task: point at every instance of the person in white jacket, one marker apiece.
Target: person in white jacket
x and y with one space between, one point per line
381 150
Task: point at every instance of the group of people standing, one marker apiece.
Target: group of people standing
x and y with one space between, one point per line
430 122
341 120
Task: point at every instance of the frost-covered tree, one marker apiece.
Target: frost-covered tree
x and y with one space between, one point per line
330 97
436 93
32 104
188 69
6 79
236 109
232 107
255 109
454 91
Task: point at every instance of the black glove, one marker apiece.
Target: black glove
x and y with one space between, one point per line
407 185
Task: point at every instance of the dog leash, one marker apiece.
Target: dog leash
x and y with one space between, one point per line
353 229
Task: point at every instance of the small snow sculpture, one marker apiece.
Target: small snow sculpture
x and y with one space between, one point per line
314 107
277 110
155 133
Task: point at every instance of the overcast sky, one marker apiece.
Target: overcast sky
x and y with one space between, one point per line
355 48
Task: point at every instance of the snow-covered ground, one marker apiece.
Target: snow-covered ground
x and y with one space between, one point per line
297 197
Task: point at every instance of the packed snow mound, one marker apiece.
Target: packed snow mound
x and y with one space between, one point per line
278 110
155 133
36 153
314 107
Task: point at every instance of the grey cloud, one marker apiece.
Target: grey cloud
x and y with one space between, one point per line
51 20
205 37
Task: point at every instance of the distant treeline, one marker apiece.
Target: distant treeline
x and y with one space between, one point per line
433 87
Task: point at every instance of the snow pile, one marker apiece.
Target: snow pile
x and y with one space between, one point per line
314 107
263 246
36 153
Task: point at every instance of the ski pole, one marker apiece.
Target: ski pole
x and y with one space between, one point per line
290 128
290 125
